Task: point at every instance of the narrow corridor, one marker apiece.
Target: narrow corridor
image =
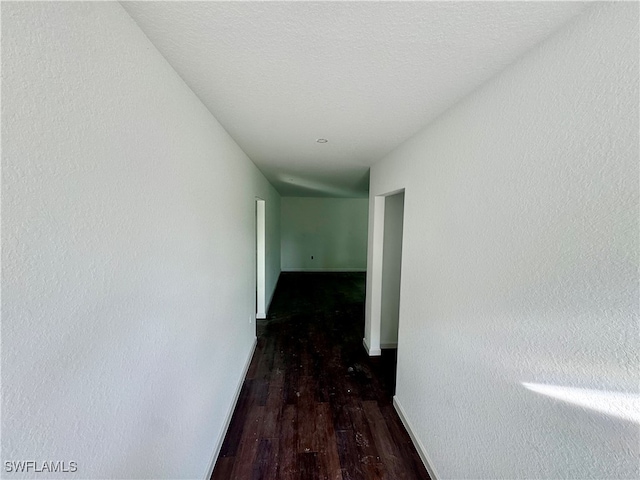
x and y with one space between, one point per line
313 404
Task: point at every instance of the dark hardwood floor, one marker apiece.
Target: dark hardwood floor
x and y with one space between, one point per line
313 404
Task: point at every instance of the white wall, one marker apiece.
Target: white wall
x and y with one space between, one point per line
391 268
520 264
128 260
272 240
332 230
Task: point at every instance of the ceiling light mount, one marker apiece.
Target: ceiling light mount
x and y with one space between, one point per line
322 140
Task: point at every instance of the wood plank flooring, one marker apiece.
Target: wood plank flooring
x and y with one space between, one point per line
313 404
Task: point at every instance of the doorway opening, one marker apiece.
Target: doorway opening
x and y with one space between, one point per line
260 259
391 271
382 309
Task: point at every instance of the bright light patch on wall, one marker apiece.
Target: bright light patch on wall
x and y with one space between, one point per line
617 404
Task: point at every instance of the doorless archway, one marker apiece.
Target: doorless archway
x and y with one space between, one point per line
383 275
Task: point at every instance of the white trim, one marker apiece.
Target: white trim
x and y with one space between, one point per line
372 352
345 270
373 301
261 246
424 456
389 345
232 408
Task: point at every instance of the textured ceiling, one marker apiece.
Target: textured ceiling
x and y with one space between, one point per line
364 75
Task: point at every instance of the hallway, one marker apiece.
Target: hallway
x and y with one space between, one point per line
313 404
164 162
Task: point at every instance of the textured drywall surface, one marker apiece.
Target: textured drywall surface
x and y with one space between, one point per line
391 268
520 264
364 75
128 259
331 230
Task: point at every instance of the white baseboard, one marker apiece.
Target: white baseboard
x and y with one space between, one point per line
232 408
376 352
389 345
334 270
428 463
